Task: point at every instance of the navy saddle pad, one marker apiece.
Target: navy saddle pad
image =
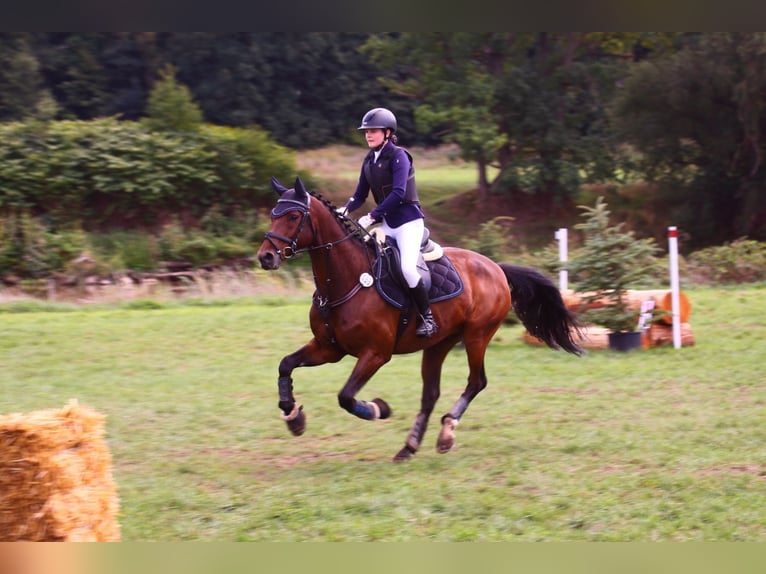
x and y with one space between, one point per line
445 280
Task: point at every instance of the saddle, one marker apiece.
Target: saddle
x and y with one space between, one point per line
437 271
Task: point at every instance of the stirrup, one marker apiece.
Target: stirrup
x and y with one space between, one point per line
427 326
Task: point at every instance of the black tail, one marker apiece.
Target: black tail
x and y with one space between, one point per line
538 303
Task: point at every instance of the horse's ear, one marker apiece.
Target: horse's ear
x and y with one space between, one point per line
278 187
300 190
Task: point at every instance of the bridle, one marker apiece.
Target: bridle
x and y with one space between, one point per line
291 249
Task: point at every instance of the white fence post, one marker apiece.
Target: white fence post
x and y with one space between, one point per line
674 288
561 235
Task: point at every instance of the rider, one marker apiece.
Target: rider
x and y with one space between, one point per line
387 170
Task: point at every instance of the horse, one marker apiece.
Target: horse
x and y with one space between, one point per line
347 317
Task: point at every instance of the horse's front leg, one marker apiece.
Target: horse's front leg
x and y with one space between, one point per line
366 366
310 355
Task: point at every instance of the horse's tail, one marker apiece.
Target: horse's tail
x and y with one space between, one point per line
539 305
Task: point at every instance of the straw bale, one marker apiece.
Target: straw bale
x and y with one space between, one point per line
56 477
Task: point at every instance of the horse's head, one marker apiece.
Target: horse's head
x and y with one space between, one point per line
288 231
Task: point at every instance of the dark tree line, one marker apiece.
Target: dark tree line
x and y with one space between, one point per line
550 112
306 89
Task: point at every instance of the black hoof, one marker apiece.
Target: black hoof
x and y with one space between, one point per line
297 425
404 454
385 410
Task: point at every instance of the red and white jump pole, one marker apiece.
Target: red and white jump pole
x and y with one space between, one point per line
674 289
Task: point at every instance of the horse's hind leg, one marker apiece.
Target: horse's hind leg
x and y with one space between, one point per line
477 380
431 370
310 355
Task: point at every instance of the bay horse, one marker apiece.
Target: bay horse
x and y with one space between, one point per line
347 317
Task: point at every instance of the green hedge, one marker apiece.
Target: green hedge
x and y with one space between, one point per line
740 261
107 172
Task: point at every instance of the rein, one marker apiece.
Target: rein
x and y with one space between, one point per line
291 250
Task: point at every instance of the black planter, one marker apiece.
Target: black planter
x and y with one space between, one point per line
624 340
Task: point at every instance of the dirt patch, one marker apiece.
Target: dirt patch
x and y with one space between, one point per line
277 461
568 391
756 470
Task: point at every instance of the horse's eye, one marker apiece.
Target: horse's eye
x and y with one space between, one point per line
293 217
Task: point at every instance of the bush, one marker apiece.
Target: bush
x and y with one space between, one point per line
111 173
220 239
494 238
107 174
123 250
30 249
741 261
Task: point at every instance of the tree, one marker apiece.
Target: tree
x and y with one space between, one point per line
697 122
73 71
170 106
22 92
533 105
306 89
610 262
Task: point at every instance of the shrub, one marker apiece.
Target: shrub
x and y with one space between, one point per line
493 238
125 250
105 172
741 261
29 248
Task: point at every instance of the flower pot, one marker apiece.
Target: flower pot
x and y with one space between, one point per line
624 340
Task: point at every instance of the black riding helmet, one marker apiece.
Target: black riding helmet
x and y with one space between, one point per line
379 118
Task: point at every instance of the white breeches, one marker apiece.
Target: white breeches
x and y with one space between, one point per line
408 236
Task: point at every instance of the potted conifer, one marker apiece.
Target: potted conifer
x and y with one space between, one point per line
610 262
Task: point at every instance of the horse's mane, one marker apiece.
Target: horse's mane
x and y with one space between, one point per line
346 222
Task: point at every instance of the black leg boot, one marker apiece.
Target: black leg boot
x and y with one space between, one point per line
427 326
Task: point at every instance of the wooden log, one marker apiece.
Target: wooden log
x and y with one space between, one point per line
658 334
663 300
593 337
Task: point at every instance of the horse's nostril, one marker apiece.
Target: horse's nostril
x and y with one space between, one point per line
267 260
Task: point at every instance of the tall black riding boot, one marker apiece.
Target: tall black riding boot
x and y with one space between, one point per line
427 326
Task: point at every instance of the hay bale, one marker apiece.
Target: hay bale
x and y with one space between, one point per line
56 477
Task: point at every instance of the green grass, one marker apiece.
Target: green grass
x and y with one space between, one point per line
660 444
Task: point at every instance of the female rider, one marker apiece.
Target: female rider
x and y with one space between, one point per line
388 172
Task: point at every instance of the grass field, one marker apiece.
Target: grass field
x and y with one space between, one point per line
659 444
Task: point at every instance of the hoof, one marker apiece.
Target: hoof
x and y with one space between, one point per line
446 439
404 454
385 410
297 423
